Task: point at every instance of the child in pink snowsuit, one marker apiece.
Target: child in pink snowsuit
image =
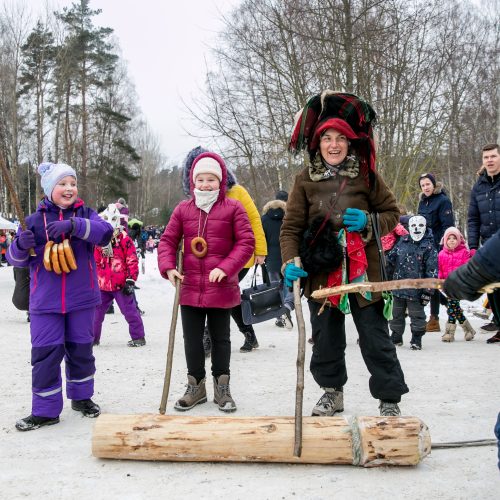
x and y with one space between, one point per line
117 271
455 253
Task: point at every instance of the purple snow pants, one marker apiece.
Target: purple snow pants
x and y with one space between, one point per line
55 337
127 306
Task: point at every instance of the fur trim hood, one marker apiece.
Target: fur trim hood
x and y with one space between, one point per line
186 171
274 204
437 190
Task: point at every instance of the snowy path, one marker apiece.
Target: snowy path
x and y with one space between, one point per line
454 389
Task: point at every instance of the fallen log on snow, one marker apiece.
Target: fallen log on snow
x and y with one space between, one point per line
365 441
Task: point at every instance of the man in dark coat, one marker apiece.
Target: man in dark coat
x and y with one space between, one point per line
483 219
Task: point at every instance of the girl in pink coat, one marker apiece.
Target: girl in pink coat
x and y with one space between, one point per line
218 241
455 253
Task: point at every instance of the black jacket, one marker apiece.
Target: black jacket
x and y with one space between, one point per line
272 218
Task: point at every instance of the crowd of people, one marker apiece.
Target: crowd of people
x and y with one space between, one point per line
340 217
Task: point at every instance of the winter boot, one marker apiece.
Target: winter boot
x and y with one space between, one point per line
469 332
137 342
195 394
32 422
388 409
222 394
494 339
207 342
449 333
489 327
433 324
250 341
87 407
396 339
330 403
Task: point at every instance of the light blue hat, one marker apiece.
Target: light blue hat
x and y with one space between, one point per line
51 174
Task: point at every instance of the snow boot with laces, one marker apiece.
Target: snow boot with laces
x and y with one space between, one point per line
33 422
195 394
449 333
87 407
388 409
222 394
330 403
469 332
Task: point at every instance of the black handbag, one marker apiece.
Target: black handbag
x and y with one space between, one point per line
262 302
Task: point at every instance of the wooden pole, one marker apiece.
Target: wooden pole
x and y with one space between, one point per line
301 353
365 441
171 335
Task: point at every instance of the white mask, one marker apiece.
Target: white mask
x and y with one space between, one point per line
111 215
416 227
205 199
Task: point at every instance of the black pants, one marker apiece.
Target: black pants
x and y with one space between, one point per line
379 353
193 324
494 300
435 303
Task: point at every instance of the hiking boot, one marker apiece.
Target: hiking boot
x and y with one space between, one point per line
87 407
250 341
195 394
388 409
469 332
449 333
433 324
222 394
396 339
490 327
330 403
207 342
415 346
494 339
137 342
33 422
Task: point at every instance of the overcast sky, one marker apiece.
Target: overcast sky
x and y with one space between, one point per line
165 44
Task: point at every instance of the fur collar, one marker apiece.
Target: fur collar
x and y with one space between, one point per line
437 190
319 171
274 204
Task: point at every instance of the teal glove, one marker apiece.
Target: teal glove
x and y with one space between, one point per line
354 219
293 273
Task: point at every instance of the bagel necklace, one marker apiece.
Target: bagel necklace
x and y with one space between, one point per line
199 245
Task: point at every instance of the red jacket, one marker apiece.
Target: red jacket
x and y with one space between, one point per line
113 271
449 260
230 242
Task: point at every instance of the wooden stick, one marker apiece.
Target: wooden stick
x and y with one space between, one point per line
381 286
171 335
13 196
301 353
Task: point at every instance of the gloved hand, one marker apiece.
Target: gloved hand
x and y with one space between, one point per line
293 273
128 288
354 219
58 227
465 281
425 298
26 240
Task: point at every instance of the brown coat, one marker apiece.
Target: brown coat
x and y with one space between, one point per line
312 198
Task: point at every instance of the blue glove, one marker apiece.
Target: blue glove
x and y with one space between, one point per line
293 273
26 240
58 227
354 219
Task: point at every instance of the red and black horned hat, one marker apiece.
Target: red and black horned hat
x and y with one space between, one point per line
348 113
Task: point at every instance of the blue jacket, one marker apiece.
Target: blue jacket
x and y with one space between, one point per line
410 259
483 219
438 212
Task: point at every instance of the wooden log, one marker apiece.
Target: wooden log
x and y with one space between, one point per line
365 441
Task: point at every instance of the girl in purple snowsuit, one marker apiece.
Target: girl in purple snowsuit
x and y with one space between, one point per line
62 305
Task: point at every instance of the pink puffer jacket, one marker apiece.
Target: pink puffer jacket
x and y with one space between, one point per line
113 271
230 242
449 260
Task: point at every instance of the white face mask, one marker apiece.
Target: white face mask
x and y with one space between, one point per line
416 227
111 215
205 199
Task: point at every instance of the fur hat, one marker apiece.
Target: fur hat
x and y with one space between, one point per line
207 165
51 174
428 176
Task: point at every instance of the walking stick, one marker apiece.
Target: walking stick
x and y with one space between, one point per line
301 354
171 335
13 196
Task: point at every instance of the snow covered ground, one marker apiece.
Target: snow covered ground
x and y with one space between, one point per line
454 389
